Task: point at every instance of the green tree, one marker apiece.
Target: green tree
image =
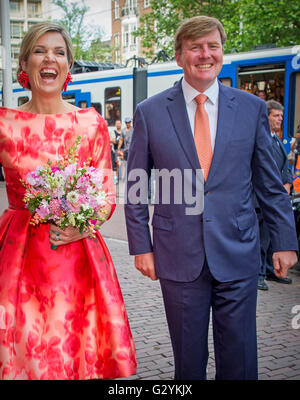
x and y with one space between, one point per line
267 21
99 50
72 20
87 40
247 22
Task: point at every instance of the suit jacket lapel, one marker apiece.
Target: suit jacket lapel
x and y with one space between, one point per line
180 120
279 148
225 126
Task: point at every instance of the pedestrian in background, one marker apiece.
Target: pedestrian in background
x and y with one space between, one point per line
127 136
275 114
116 140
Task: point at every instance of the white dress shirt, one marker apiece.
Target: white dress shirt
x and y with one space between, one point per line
211 106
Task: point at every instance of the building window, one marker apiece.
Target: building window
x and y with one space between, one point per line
133 38
131 4
128 38
125 35
34 9
15 51
146 3
16 30
117 48
117 9
16 7
130 8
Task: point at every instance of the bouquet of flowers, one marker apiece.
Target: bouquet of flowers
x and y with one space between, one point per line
66 194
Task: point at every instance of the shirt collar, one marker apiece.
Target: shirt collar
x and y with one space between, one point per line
189 92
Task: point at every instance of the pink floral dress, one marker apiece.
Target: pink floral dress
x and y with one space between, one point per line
62 314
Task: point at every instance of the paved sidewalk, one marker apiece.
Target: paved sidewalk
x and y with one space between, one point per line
278 342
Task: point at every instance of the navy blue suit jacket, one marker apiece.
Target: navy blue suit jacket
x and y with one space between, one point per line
282 161
226 233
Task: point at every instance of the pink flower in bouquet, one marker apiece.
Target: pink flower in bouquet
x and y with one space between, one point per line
54 207
82 199
54 169
83 183
69 170
92 202
43 210
34 179
75 208
96 176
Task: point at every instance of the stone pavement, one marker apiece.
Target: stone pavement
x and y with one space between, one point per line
278 341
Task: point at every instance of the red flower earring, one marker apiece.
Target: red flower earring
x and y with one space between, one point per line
68 79
23 79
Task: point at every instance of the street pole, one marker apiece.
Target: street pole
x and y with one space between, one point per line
6 54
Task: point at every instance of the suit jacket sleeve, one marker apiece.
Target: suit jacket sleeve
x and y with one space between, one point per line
273 199
287 176
136 211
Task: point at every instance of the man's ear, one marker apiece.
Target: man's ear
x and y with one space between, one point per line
178 59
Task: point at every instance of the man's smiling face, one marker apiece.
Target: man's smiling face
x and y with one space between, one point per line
201 60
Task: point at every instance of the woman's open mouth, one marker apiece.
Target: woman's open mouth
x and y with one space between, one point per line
48 74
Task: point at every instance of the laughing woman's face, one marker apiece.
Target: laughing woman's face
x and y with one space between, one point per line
47 65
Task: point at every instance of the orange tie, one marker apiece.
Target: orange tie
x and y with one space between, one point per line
202 135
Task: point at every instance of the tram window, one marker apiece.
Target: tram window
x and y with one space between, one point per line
70 98
112 105
265 81
294 111
226 81
22 100
97 107
83 104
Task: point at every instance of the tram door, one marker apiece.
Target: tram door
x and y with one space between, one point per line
294 125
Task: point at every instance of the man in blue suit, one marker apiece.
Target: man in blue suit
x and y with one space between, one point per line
207 258
275 115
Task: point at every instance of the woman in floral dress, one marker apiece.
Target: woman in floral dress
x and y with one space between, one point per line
62 314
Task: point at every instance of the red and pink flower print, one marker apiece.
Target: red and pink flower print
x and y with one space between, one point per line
64 312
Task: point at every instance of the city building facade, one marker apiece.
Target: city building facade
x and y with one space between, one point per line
24 14
126 15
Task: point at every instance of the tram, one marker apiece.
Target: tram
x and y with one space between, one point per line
116 92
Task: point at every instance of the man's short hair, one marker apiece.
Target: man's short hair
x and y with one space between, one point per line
273 105
197 27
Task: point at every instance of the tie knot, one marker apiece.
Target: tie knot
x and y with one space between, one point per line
201 98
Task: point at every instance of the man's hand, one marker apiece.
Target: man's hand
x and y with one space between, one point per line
283 261
145 264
